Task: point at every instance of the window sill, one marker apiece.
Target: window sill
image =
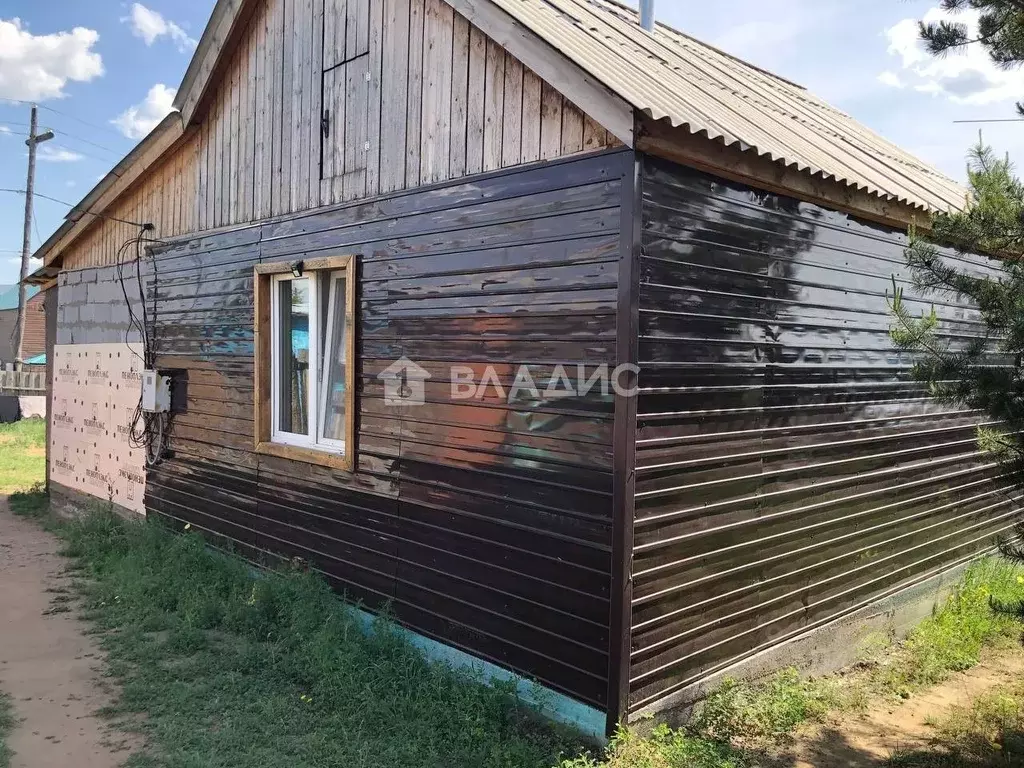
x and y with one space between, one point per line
306 455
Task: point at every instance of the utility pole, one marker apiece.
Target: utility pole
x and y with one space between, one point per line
32 141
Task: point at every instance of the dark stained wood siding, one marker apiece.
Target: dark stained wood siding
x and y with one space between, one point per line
788 469
484 524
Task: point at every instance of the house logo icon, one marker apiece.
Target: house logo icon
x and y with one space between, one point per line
404 383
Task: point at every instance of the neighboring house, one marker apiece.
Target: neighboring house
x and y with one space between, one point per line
34 341
35 323
489 184
13 407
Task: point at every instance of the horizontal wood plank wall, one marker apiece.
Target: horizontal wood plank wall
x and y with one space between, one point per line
788 469
487 523
416 95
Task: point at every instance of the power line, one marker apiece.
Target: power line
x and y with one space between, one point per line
75 151
108 129
74 205
994 120
66 135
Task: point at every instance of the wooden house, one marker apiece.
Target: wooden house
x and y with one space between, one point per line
488 185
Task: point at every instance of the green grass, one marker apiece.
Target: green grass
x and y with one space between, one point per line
745 713
22 454
7 722
222 667
953 639
752 717
663 748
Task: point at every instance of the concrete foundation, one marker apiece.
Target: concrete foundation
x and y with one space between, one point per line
827 648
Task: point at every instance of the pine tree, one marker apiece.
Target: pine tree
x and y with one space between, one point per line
984 372
1000 31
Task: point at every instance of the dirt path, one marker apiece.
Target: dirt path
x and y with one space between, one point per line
47 663
870 739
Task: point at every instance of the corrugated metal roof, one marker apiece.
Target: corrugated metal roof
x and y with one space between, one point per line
671 76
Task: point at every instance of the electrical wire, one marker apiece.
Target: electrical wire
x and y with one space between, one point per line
108 129
147 430
73 205
69 135
76 152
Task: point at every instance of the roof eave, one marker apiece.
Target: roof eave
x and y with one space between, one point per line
730 161
225 21
142 156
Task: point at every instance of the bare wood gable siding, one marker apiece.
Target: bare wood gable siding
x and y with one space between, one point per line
416 95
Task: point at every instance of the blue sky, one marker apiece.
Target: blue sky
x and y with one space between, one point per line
105 67
110 69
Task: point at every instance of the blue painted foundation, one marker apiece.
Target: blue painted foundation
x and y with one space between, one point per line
548 703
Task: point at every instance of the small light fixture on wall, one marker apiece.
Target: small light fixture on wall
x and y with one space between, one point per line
297 268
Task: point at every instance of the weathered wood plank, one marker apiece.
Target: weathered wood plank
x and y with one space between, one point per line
572 129
357 93
287 100
262 115
512 123
460 93
233 144
277 102
202 178
594 135
223 164
494 106
316 104
532 87
550 123
335 16
437 91
362 26
415 105
475 101
394 95
334 144
249 134
374 98
302 33
351 30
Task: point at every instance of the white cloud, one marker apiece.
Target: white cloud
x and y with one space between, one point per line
70 183
48 154
150 25
139 119
891 79
4 129
37 67
963 77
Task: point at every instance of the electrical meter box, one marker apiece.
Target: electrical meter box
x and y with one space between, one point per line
156 392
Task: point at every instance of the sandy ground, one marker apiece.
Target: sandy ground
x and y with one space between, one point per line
47 664
869 739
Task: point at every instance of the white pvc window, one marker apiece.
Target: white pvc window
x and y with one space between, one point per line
308 360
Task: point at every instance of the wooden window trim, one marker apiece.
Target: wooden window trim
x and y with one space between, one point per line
263 413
